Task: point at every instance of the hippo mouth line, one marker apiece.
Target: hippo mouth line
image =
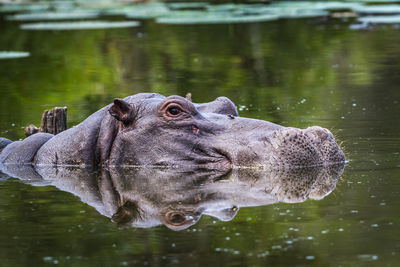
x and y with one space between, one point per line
210 158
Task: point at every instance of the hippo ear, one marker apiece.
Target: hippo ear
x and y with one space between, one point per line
122 111
128 212
189 96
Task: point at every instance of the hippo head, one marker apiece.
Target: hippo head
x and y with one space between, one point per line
153 130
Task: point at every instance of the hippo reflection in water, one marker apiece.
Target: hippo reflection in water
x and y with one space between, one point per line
152 130
147 197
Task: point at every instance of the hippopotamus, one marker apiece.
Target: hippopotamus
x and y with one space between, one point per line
176 199
149 129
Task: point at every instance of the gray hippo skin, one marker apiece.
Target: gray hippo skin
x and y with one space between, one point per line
177 199
152 130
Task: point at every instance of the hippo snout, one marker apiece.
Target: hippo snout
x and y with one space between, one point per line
296 148
326 145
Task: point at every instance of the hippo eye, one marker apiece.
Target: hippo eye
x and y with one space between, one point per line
174 111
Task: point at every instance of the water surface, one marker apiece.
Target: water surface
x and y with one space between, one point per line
294 72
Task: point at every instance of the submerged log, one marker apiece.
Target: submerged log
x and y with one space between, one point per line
54 121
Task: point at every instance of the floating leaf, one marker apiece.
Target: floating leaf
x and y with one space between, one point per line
83 25
378 1
13 54
380 19
147 11
190 5
54 16
311 5
8 8
302 13
212 18
380 9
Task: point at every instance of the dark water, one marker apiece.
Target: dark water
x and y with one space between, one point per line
298 72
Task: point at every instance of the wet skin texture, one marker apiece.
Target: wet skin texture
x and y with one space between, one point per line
152 130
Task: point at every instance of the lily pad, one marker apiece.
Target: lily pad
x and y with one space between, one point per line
147 11
301 13
379 9
8 8
380 19
13 54
54 16
378 1
314 5
82 25
189 5
213 18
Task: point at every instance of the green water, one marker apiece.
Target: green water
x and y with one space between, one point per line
294 72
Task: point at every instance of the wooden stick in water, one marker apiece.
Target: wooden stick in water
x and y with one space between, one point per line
54 121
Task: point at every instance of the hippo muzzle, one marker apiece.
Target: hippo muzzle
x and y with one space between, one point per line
261 144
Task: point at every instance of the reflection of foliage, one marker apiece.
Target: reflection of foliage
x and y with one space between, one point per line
268 65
